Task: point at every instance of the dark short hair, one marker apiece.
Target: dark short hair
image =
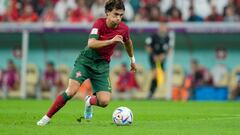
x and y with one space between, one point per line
114 4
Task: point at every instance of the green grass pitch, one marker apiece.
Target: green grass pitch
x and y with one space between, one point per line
19 117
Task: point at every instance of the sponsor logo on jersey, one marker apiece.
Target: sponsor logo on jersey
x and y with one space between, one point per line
94 31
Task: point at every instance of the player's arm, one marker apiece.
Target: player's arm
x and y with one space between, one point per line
129 49
95 43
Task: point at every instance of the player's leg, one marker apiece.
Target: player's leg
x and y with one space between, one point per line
160 57
153 85
101 99
60 101
102 93
78 76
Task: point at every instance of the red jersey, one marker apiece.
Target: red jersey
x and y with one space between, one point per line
101 31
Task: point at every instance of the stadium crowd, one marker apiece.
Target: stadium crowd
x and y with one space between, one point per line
85 11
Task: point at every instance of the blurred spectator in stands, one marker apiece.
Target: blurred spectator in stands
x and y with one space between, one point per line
200 76
180 86
61 8
49 16
214 16
155 14
157 45
82 14
202 7
129 11
219 73
193 17
230 15
28 14
220 4
237 3
230 3
175 17
51 80
11 13
11 76
98 9
142 15
174 13
126 83
39 6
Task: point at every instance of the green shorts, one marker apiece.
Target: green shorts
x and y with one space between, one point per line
90 65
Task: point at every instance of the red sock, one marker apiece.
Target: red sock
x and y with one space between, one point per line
93 100
59 102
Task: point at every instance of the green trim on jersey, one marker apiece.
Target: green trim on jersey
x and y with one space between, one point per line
93 36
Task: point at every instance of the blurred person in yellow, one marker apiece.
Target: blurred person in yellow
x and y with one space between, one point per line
157 46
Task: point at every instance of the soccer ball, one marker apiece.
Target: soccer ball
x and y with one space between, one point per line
122 116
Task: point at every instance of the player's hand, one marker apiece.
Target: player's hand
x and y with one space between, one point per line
117 39
133 67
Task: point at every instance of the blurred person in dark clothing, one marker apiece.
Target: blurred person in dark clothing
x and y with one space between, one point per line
157 45
173 10
214 16
201 75
155 14
193 17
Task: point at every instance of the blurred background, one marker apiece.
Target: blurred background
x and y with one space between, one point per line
40 39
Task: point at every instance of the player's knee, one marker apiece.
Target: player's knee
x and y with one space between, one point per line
72 88
70 92
103 103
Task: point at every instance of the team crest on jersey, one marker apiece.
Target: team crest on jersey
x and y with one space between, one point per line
94 31
78 74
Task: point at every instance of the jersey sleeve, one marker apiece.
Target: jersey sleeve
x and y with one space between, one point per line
94 33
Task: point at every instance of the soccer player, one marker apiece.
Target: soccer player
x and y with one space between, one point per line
93 61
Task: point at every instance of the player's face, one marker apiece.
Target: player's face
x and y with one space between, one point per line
115 16
163 29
